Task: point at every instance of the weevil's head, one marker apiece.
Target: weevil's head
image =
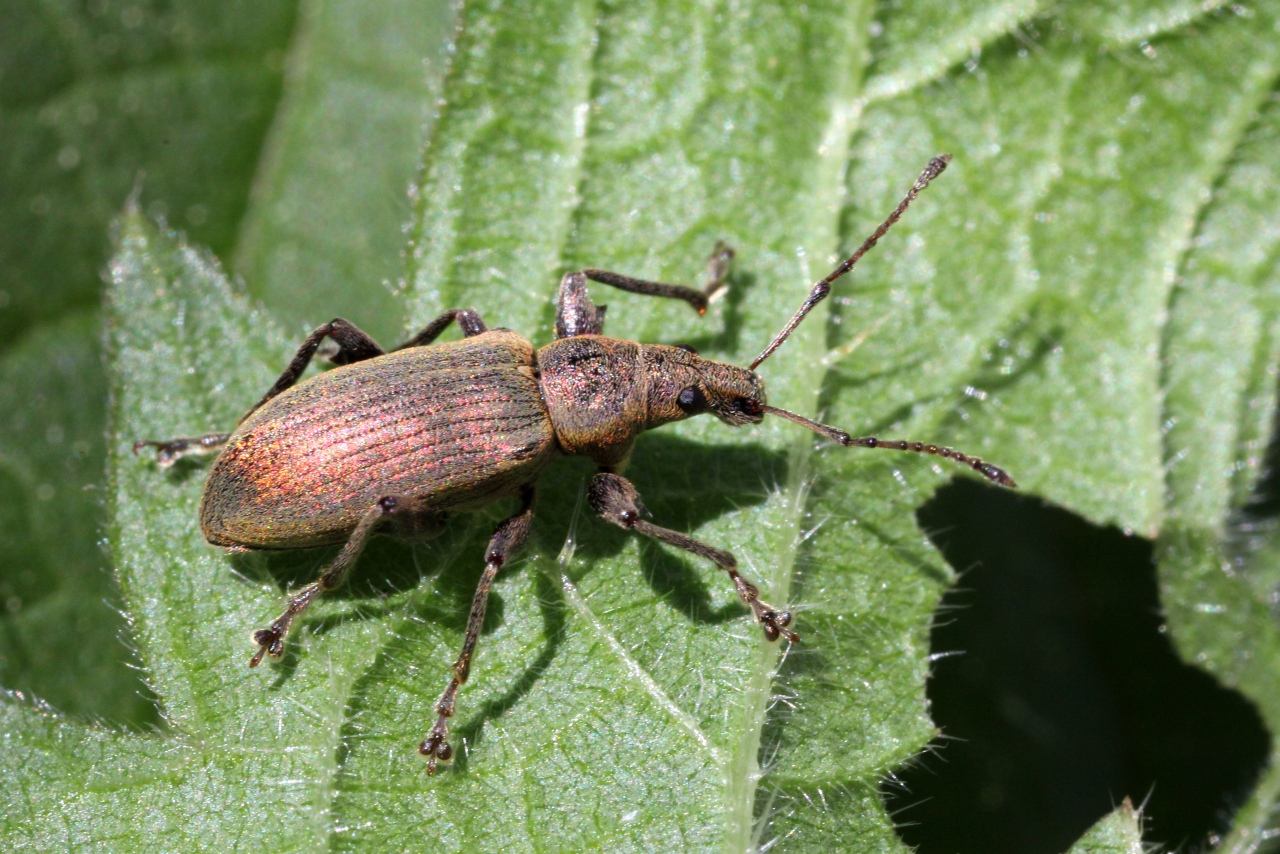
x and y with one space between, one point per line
682 384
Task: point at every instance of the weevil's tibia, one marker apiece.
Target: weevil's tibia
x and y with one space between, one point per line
993 473
353 346
821 288
616 500
508 538
466 318
270 640
578 315
170 451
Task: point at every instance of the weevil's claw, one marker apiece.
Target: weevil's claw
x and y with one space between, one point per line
774 622
435 747
270 642
167 453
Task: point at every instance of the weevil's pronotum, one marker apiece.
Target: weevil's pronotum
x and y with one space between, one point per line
393 442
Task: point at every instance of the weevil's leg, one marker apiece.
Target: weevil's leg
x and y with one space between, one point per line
616 500
270 640
578 315
353 346
170 451
467 318
508 538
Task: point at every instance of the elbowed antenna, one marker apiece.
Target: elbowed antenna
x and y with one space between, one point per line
993 473
822 288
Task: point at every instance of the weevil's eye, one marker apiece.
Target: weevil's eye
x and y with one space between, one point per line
748 407
687 349
692 400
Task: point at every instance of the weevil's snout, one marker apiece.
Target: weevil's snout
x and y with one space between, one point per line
681 384
732 394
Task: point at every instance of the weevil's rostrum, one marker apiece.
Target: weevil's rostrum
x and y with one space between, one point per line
396 442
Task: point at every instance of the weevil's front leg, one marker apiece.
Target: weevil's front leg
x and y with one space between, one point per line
270 640
616 500
578 315
508 538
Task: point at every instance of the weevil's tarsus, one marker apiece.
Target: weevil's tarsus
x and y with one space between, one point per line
823 287
993 473
170 451
508 538
718 272
270 640
576 314
616 500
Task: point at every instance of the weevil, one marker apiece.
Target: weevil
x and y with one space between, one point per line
394 442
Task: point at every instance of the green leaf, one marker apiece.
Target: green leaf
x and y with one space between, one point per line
55 644
117 95
1069 300
323 237
1118 833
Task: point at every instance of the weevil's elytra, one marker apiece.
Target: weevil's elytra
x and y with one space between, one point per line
395 442
303 468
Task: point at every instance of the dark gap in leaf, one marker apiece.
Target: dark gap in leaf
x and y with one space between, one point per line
1065 695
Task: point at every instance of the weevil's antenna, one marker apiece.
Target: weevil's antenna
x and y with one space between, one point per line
822 288
995 474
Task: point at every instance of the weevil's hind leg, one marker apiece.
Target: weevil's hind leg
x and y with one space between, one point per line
353 346
467 318
616 500
578 315
170 451
270 640
508 538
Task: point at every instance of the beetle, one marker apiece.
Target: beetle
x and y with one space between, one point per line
394 442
